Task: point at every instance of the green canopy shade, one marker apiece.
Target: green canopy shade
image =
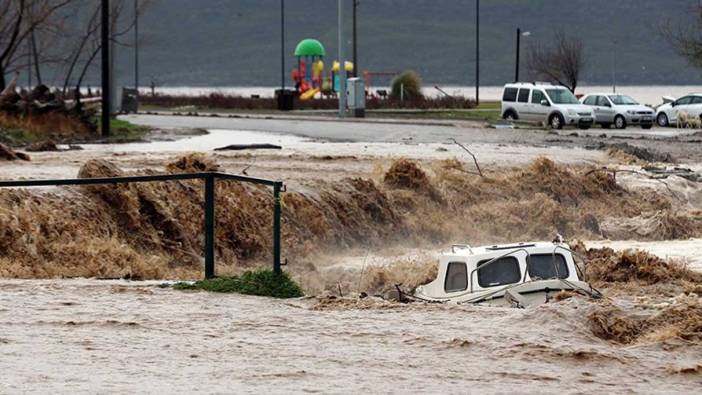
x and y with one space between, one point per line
309 47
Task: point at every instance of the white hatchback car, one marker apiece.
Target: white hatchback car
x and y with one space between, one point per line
546 104
689 107
618 110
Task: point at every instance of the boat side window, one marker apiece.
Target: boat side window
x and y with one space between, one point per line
510 94
547 266
500 272
524 95
537 96
456 277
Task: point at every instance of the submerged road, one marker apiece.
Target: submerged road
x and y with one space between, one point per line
673 141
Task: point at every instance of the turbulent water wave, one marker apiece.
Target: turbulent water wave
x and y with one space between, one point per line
154 230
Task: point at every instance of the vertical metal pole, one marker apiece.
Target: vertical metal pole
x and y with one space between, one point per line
342 63
276 228
136 46
35 53
516 68
355 41
209 226
282 45
105 52
477 51
29 66
614 68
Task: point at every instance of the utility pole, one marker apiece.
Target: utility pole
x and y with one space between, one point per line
105 53
136 46
477 51
355 41
342 63
282 46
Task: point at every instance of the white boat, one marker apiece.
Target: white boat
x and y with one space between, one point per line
519 275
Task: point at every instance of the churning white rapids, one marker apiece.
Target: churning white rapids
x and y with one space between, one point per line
78 336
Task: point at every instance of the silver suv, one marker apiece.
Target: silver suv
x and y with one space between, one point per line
618 110
547 104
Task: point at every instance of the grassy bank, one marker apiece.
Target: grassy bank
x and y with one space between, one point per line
13 134
122 131
485 112
259 283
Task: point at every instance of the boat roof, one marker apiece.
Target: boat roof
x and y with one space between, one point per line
466 250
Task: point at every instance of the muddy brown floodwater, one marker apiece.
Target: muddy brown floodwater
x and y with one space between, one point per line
368 206
96 336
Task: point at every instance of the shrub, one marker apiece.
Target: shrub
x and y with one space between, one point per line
408 81
260 283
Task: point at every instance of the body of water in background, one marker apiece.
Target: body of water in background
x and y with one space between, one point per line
651 95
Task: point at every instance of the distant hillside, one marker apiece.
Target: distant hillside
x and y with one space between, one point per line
224 42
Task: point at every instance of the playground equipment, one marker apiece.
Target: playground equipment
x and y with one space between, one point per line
309 76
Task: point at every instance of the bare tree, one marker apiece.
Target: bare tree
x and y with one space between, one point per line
18 19
686 38
560 63
86 44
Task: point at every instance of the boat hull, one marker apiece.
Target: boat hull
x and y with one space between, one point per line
532 293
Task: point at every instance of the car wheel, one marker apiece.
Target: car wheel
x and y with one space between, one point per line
606 125
556 121
619 122
662 120
509 115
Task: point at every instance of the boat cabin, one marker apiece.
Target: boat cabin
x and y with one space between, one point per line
466 271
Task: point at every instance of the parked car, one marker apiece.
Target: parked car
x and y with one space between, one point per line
618 110
544 103
689 106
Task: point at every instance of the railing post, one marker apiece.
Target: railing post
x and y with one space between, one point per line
276 228
209 226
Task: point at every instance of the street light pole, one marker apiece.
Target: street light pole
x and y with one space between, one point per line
477 51
136 46
105 54
282 46
342 63
355 41
614 68
520 34
516 69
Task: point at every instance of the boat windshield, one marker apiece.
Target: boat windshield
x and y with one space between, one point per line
622 100
547 266
561 96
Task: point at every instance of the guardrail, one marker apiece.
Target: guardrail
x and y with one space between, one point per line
209 178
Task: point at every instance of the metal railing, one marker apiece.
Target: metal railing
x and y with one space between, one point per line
209 178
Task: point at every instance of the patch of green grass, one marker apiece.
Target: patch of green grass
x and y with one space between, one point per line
17 137
489 105
464 115
260 283
124 131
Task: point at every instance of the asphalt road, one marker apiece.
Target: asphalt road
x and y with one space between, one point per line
682 144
